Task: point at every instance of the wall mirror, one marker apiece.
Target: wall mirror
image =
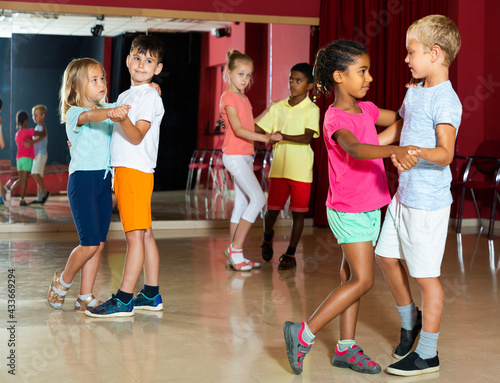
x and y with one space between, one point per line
35 47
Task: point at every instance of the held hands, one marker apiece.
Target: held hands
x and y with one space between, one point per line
405 157
275 137
119 113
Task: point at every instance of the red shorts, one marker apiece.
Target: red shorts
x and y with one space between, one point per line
282 188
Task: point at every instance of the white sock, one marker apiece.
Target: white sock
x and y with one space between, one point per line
237 255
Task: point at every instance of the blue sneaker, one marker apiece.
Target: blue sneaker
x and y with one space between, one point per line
113 307
142 302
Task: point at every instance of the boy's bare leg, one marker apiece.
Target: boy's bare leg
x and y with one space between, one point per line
151 259
134 260
269 220
89 272
359 256
39 183
297 228
397 279
432 303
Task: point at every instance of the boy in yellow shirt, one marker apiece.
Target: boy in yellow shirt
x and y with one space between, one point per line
297 118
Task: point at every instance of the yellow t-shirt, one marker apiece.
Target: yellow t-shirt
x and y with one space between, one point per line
292 160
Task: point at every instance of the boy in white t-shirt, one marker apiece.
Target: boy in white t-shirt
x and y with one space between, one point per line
134 150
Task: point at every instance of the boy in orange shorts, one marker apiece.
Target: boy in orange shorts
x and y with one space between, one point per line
297 118
134 150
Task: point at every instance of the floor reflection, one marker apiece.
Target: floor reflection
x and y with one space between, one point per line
220 325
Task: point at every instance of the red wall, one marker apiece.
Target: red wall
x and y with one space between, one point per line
477 82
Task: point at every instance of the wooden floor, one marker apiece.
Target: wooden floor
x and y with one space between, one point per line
220 325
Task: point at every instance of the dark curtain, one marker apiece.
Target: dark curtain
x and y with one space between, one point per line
380 25
179 82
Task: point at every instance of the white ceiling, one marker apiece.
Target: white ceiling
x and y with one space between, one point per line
79 25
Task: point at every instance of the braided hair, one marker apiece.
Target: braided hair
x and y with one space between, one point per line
336 56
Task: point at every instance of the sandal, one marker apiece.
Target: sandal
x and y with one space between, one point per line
56 300
82 304
242 266
287 262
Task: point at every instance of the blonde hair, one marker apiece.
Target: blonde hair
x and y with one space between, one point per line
74 80
40 108
437 30
233 58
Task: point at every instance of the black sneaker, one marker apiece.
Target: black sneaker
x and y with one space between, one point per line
287 262
267 250
408 338
413 365
45 198
23 203
36 202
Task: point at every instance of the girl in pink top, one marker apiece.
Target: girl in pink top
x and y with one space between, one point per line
25 153
238 150
358 189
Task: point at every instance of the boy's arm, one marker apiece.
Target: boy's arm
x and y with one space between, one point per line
360 151
135 133
391 134
305 138
441 155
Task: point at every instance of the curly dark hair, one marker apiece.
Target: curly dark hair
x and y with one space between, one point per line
336 56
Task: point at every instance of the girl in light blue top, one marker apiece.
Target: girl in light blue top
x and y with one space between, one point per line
89 124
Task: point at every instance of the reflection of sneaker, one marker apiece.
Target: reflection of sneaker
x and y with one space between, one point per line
113 307
295 349
354 358
413 364
287 262
408 337
142 302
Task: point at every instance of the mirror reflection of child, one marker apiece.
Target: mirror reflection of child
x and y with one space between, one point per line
2 146
25 153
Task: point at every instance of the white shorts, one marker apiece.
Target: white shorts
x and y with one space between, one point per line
39 164
417 236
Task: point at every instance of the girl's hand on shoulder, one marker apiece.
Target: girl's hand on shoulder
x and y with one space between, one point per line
156 87
413 83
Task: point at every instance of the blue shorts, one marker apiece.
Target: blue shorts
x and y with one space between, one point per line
89 195
354 227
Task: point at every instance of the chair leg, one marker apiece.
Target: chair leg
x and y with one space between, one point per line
461 210
477 211
493 213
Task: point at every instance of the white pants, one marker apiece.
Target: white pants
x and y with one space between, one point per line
249 198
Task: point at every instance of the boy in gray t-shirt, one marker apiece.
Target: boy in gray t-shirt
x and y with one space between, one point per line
416 222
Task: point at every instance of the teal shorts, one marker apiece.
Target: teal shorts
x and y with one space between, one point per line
24 164
354 227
